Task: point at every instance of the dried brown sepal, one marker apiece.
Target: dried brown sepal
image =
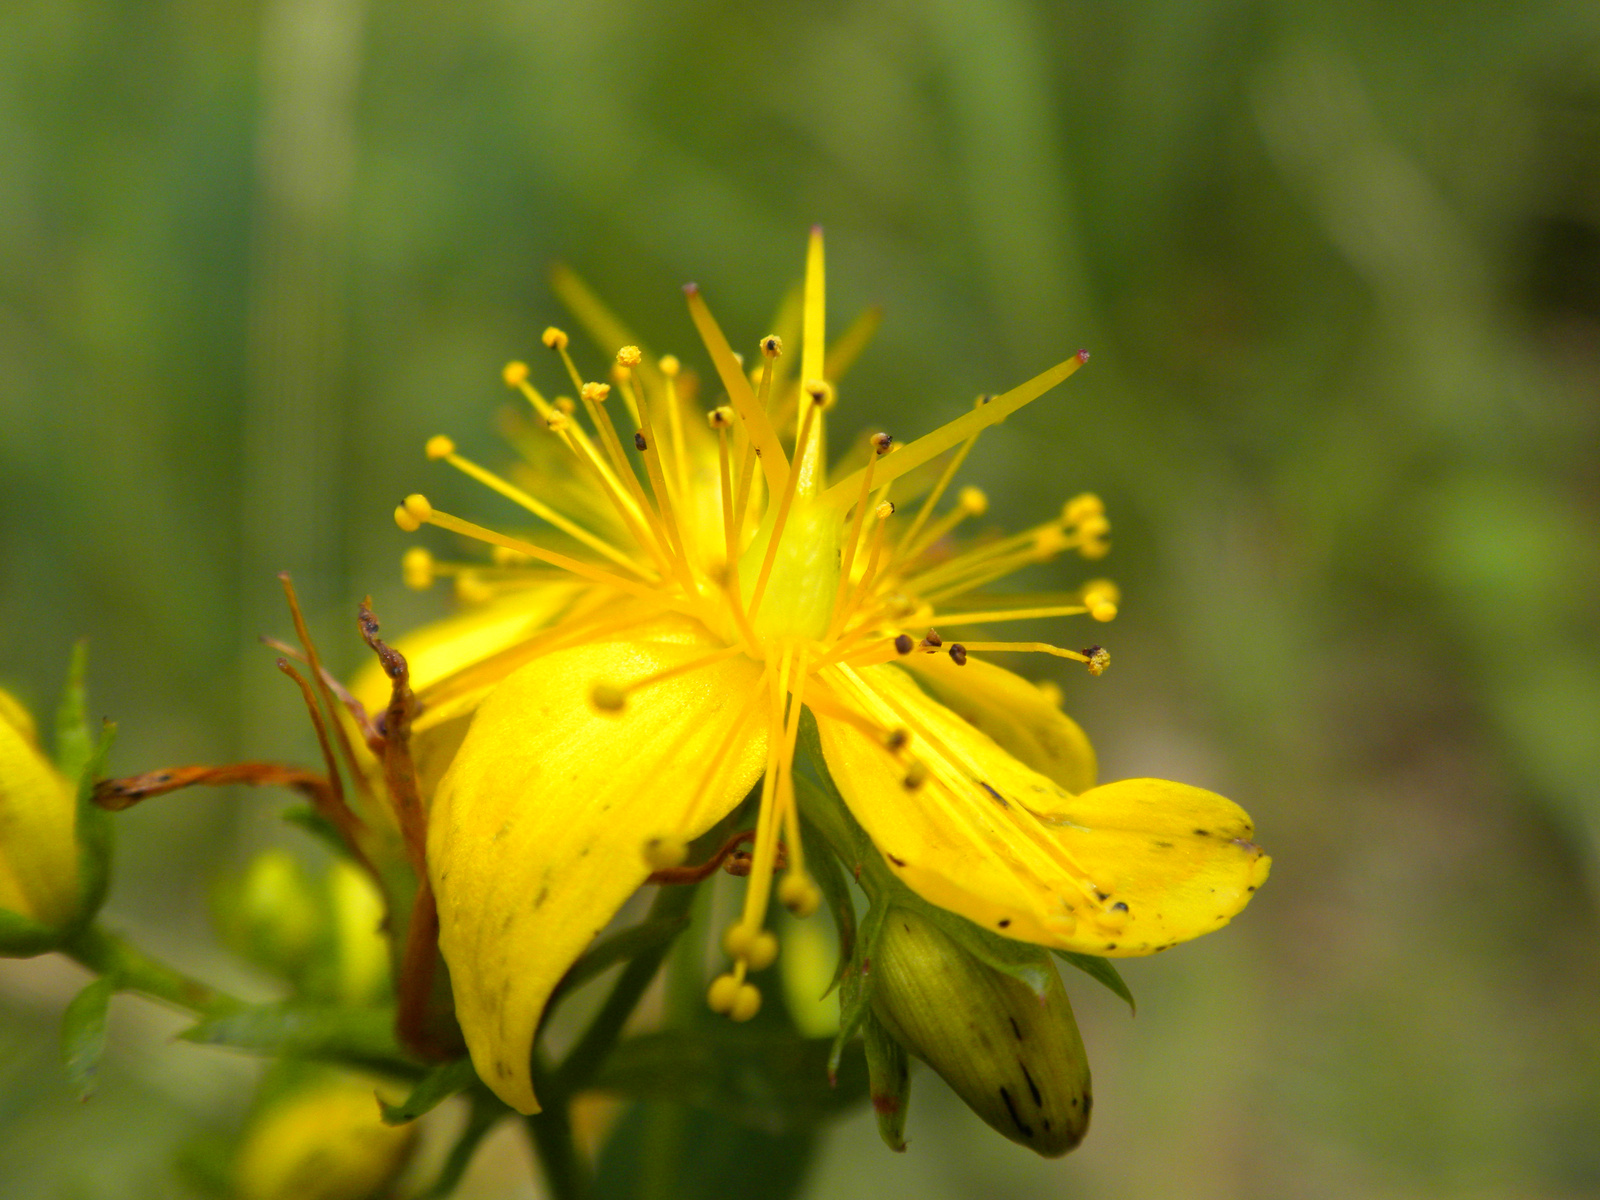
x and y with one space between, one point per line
728 856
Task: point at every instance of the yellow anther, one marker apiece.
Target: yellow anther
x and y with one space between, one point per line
799 894
722 993
1051 691
916 775
663 852
720 418
471 588
405 520
1084 505
884 511
629 356
608 697
417 505
736 942
554 338
897 739
982 400
973 500
821 392
1093 525
1050 541
596 392
557 420
881 442
1100 597
416 568
439 446
763 951
669 365
772 345
747 1003
504 556
566 404
515 374
1099 659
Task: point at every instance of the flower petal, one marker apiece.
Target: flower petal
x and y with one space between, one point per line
1127 868
537 833
1013 712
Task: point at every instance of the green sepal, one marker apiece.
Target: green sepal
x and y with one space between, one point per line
303 816
75 741
855 986
83 1034
23 937
321 1032
836 893
432 1090
889 1081
94 831
763 1079
1102 971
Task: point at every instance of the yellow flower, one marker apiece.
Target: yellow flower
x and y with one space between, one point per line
681 618
38 827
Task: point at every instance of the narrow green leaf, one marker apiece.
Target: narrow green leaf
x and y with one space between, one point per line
1100 969
432 1090
889 1078
83 1034
316 1031
622 946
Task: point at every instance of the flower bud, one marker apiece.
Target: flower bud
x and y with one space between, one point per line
1015 1059
39 884
321 1142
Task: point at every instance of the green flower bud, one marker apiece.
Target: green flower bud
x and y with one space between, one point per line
39 877
1015 1059
325 1141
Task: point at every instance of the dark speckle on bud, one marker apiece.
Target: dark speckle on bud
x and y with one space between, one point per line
638 441
958 654
903 644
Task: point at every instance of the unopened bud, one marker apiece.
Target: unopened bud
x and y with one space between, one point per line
325 1140
1017 1061
39 880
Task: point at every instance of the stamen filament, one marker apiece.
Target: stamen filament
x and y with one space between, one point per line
613 698
863 589
847 560
923 513
774 462
1000 614
784 505
1027 648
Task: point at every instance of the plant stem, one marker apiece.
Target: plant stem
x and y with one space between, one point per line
133 970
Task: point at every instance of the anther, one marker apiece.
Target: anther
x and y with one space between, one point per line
799 894
639 443
881 442
557 420
884 511
1100 597
932 641
629 356
903 644
553 338
608 697
1099 659
958 654
916 776
746 1003
471 589
416 568
596 392
724 990
515 374
720 418
763 951
982 400
772 345
1080 506
669 365
405 520
566 404
820 391
973 500
663 852
896 740
414 510
439 446
737 940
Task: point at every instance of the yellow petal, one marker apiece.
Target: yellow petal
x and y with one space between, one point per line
1122 869
1013 712
537 833
38 820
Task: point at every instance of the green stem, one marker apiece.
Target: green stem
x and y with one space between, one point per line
133 970
671 903
565 1172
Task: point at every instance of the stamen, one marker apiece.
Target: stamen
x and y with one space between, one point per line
417 570
970 502
810 448
1096 657
1015 614
442 447
931 445
816 391
669 367
594 396
612 698
878 446
774 462
721 418
945 476
645 441
883 512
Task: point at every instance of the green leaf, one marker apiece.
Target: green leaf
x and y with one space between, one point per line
769 1081
432 1090
1100 969
83 1034
889 1077
316 1031
622 946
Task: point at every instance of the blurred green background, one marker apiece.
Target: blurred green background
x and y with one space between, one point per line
1339 268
